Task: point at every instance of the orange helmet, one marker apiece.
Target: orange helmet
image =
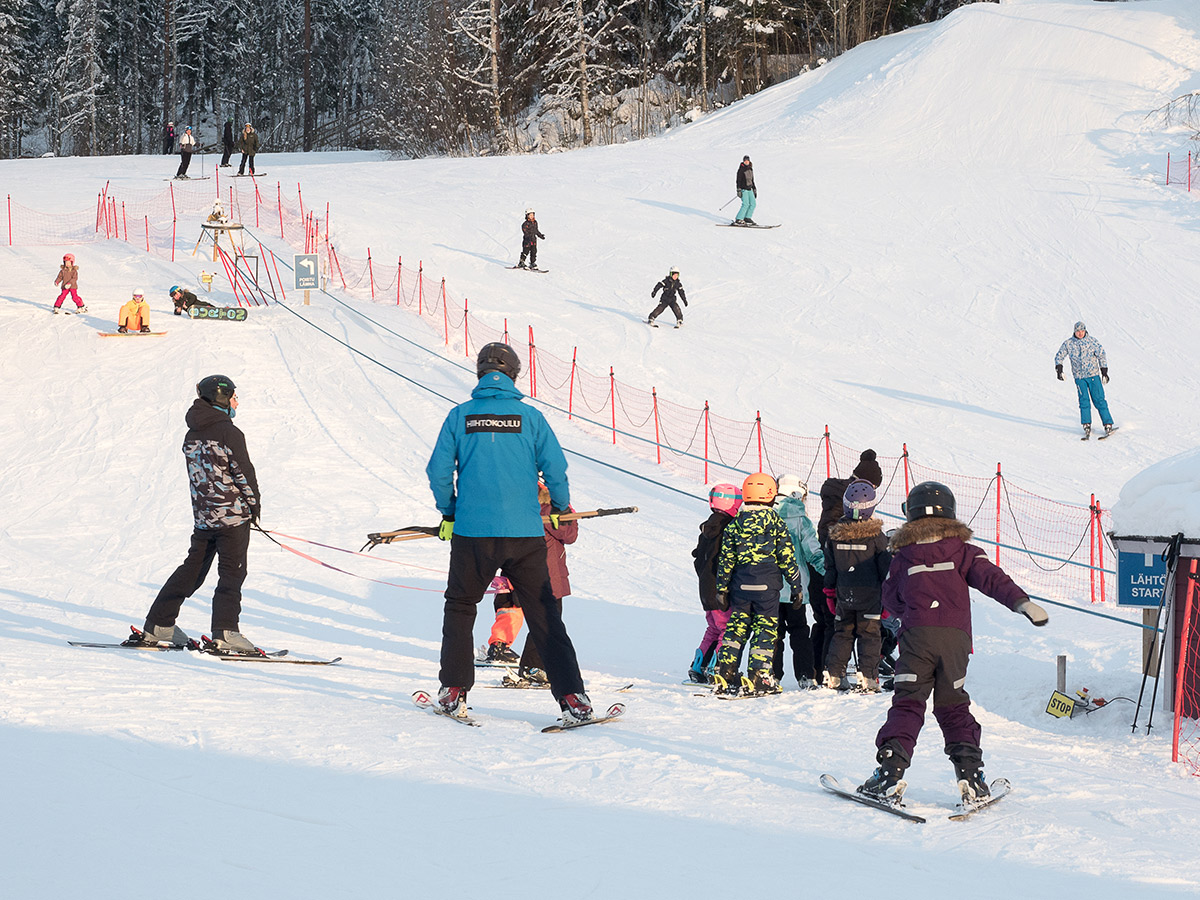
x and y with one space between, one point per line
758 488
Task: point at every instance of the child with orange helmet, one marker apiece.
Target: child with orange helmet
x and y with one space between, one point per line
756 558
724 500
68 277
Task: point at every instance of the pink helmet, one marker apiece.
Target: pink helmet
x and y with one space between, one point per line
726 498
69 259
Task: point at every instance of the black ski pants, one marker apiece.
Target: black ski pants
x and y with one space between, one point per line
529 248
663 304
474 562
246 158
530 657
228 546
185 159
226 153
793 622
851 626
823 620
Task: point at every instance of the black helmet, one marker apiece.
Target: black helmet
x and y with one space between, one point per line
217 390
498 357
929 498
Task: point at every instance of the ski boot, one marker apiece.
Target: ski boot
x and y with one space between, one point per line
868 685
121 329
532 675
749 221
679 324
164 634
81 309
500 652
1087 432
968 771
886 783
726 681
837 682
452 701
576 709
696 672
1109 429
234 642
760 681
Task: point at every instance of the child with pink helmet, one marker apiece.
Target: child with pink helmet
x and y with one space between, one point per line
68 277
724 500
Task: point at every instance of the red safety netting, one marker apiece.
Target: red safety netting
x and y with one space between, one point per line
1185 744
1039 541
1182 169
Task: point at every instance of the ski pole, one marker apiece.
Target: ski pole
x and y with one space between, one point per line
731 201
415 532
1170 556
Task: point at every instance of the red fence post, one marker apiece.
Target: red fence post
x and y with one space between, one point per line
571 389
301 198
466 331
758 428
10 219
905 458
1189 171
706 442
147 234
257 201
999 482
612 400
279 198
828 469
399 264
532 364
370 270
1100 549
505 329
1168 168
125 221
445 313
1184 661
657 445
275 261
1092 545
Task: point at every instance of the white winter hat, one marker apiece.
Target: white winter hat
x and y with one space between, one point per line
792 484
138 292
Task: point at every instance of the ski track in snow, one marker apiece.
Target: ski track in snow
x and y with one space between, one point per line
953 198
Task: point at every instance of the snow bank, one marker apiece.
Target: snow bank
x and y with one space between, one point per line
1162 500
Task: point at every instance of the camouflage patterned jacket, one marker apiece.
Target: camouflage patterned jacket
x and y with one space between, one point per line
221 477
756 549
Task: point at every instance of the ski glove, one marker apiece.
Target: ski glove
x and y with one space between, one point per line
554 514
684 299
1104 375
1058 369
723 600
831 600
446 529
1032 612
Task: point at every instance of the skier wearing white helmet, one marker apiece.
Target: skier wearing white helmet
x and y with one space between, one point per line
529 239
671 287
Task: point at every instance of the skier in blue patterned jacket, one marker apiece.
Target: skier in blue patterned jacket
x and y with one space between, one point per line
225 503
1089 368
484 476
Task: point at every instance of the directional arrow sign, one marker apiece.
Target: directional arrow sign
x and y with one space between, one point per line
306 271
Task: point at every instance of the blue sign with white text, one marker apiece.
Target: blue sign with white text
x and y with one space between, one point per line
1140 578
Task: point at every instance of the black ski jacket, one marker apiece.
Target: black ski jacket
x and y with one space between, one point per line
745 178
221 477
704 557
670 287
530 232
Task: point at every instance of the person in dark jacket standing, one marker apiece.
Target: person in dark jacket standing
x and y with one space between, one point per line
747 191
484 474
187 146
227 144
724 500
928 588
856 564
529 238
225 503
168 139
671 288
248 145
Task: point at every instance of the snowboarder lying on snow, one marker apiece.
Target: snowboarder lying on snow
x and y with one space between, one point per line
134 315
1089 368
185 300
928 588
529 239
670 286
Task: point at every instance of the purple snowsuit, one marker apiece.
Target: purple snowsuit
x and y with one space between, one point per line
927 587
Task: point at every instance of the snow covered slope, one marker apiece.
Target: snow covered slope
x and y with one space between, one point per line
953 198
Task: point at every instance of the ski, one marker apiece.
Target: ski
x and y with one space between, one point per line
514 683
529 269
735 225
189 178
135 642
207 646
831 784
614 712
1000 788
1108 434
248 175
130 333
424 701
489 664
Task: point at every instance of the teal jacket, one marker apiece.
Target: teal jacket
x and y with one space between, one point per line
496 446
804 537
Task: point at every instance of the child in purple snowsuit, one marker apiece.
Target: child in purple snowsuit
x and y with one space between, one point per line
724 500
928 589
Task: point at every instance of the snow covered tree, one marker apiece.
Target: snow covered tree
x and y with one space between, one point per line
79 76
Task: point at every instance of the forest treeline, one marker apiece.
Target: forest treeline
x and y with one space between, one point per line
419 77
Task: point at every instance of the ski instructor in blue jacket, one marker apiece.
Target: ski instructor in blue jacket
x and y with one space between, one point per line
497 446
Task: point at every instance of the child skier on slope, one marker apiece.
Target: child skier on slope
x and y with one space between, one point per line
928 588
507 625
529 238
670 287
68 277
856 564
724 500
135 315
756 557
793 621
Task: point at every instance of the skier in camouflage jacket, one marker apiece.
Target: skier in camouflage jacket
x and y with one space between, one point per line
1089 368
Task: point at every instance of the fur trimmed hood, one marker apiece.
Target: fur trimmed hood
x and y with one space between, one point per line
928 530
855 531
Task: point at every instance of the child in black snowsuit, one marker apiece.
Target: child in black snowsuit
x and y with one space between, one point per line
856 565
670 286
724 500
529 239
